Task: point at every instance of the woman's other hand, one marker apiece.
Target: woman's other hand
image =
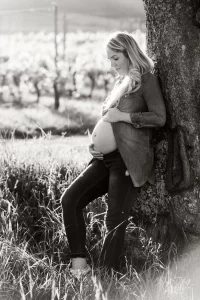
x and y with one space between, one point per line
113 115
94 153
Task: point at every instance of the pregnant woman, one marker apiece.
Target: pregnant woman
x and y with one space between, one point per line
122 154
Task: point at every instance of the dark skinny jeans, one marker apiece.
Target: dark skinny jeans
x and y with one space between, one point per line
100 177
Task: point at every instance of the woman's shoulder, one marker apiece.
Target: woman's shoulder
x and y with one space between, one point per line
148 76
149 80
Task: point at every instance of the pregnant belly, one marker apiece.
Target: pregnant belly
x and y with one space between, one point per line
103 137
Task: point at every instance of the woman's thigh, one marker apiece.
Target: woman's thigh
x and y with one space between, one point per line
90 184
121 192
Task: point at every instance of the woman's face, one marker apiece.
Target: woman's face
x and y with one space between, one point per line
118 61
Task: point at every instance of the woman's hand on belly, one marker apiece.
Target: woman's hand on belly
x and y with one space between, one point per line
113 115
95 154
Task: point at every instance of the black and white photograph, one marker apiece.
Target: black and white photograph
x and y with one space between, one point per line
99 150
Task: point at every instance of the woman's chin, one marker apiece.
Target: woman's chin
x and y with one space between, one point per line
121 73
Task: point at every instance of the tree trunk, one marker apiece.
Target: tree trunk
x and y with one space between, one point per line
38 93
56 95
91 75
74 80
173 41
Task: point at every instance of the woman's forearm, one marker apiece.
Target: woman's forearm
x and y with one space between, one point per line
143 119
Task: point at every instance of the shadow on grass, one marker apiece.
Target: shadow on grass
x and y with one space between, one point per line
79 119
74 117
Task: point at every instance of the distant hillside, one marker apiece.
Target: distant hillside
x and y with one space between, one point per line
105 8
81 14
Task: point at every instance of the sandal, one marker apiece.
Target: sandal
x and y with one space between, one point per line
80 273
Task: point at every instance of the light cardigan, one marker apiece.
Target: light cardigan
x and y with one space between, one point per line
147 110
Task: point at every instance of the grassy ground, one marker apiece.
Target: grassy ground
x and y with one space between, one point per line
33 246
73 117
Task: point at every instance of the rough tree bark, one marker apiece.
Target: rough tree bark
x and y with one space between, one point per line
173 40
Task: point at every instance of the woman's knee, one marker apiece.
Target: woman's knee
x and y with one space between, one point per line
66 199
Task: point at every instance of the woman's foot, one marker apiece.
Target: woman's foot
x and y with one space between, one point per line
80 273
79 263
79 268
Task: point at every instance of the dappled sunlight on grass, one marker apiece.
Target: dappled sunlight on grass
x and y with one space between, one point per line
74 116
46 150
178 281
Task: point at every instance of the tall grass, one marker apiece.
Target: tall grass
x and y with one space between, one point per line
34 253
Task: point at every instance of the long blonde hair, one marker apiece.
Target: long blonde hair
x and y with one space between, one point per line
139 64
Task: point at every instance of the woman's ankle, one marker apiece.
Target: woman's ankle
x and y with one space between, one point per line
79 263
